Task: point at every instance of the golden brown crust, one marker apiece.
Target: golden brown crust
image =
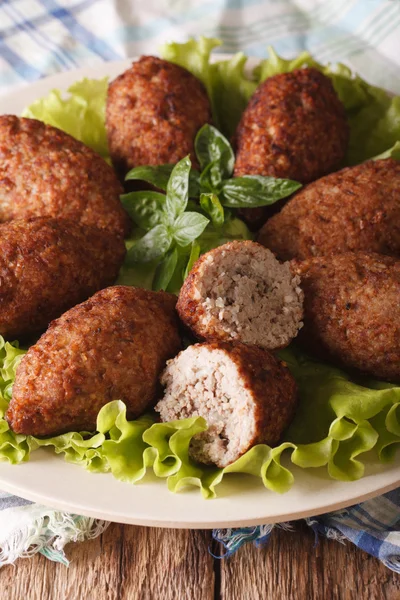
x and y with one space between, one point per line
355 209
196 295
48 265
111 347
293 127
271 385
190 306
154 110
46 172
352 311
190 309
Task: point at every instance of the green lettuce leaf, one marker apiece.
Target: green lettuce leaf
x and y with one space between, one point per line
336 423
275 64
81 113
13 447
393 152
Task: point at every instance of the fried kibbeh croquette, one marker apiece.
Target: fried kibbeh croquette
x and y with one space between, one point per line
111 347
45 172
294 127
49 265
245 394
154 110
352 311
355 209
239 291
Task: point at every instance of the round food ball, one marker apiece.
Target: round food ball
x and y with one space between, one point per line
154 110
352 311
239 291
112 347
245 394
355 209
46 172
294 127
48 265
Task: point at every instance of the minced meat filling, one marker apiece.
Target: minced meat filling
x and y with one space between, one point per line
207 384
253 297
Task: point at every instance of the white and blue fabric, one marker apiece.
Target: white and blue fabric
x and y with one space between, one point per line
43 37
373 526
39 38
27 528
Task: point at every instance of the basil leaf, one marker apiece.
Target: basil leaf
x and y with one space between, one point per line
205 181
178 189
213 208
156 175
176 282
212 147
165 270
145 208
152 245
159 176
194 255
251 191
211 178
188 227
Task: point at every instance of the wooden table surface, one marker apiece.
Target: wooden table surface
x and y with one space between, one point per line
129 563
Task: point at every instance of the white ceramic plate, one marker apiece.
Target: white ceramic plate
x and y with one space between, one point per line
48 479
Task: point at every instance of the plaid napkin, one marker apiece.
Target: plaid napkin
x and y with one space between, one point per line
373 526
43 37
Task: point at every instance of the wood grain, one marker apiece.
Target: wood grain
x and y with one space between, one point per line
125 563
291 567
136 563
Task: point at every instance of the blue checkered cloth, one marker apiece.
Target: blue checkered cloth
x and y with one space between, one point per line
373 526
43 37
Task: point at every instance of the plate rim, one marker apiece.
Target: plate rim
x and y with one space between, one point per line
62 80
166 524
80 508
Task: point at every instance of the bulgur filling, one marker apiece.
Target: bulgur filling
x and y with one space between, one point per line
254 298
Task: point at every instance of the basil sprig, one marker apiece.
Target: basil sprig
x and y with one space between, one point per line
213 208
215 154
159 176
217 160
165 222
172 229
250 191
